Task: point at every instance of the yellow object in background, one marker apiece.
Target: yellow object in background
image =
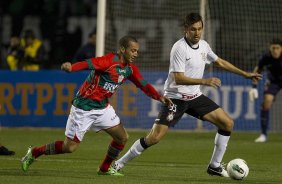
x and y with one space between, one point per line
12 62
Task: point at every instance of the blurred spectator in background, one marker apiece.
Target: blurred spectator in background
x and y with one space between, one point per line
15 53
88 50
34 52
271 62
5 151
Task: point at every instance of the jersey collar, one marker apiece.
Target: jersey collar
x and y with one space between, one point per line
195 46
117 59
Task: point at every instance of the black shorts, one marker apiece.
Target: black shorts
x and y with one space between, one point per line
271 88
197 108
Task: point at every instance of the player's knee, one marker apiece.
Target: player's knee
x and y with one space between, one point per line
70 148
123 139
153 140
229 125
265 107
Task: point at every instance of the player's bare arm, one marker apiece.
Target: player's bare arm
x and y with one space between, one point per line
213 82
253 92
66 67
181 79
256 70
221 63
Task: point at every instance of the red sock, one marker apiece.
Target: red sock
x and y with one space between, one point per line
113 152
59 147
37 151
48 149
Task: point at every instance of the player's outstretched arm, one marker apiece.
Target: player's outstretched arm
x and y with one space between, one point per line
221 63
255 82
78 66
147 88
181 79
254 76
253 92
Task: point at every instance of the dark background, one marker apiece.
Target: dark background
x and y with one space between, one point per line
236 30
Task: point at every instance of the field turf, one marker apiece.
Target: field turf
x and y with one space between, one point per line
182 157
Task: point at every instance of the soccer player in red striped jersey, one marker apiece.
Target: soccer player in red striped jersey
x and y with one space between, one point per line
91 108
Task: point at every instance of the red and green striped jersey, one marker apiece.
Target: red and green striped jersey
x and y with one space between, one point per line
107 74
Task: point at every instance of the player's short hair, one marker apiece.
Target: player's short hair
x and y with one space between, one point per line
276 41
192 18
124 41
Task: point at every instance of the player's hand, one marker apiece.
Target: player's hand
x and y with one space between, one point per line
166 101
253 94
254 76
213 82
66 67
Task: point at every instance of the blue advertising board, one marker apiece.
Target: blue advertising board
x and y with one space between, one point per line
43 99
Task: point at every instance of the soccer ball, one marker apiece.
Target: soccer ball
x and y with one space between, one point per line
237 169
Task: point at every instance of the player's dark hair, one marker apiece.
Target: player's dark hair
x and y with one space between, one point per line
276 41
192 18
124 41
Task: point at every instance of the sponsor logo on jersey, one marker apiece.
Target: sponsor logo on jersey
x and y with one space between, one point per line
110 87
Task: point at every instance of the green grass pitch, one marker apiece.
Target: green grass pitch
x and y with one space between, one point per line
181 157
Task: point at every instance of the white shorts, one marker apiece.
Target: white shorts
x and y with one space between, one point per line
80 121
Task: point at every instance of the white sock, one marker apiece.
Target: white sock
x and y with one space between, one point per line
220 142
135 150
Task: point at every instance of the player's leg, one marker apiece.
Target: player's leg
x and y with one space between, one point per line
264 116
53 148
77 125
108 121
168 116
120 138
266 105
270 92
225 125
56 147
204 108
157 132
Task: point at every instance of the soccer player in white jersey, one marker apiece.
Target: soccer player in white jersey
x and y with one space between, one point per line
188 58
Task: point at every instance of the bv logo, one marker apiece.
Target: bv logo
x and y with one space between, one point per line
110 87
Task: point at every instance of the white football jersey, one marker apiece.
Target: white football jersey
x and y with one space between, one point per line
191 61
